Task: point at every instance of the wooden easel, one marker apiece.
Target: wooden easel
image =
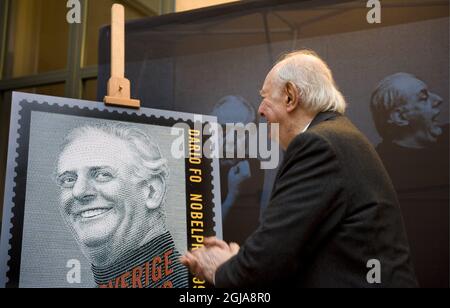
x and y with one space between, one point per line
119 88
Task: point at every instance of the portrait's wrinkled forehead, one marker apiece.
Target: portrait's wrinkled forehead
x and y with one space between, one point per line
408 85
95 149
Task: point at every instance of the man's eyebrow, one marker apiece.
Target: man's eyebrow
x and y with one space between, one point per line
98 168
424 91
66 173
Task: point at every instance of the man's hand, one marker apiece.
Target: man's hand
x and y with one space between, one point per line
237 175
204 262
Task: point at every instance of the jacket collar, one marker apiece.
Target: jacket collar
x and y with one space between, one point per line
321 117
324 116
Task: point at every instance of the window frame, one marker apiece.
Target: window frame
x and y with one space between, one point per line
75 74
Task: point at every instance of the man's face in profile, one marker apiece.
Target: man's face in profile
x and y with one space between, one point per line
101 199
420 108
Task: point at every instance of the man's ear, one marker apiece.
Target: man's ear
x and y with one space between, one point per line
397 117
292 96
155 191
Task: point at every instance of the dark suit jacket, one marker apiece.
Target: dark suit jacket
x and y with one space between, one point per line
333 208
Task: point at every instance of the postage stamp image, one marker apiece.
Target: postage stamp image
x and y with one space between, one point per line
94 196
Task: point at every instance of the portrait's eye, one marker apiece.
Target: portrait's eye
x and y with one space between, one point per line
67 181
424 95
103 176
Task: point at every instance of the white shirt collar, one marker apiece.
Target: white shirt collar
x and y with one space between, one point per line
306 128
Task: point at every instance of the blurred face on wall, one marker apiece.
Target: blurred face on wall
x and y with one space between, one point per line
420 109
233 110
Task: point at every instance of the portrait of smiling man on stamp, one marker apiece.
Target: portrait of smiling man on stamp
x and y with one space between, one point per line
113 184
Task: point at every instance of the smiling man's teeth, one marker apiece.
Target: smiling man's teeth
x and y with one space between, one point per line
93 213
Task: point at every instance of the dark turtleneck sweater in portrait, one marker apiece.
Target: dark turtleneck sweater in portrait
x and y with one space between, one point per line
154 265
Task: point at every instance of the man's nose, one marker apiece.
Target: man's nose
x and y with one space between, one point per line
437 100
83 191
261 110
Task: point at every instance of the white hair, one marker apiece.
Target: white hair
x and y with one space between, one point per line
313 78
147 161
386 98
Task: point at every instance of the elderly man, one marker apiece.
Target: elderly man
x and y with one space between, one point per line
415 151
333 218
113 184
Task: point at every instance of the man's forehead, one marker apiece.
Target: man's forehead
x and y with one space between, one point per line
410 84
93 151
268 82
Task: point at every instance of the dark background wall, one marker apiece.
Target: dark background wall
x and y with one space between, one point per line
190 61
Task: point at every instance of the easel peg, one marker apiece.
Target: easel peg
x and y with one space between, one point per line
119 88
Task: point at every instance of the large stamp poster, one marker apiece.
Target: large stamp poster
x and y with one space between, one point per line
94 196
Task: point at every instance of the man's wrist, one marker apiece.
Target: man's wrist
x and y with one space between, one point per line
218 273
233 194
